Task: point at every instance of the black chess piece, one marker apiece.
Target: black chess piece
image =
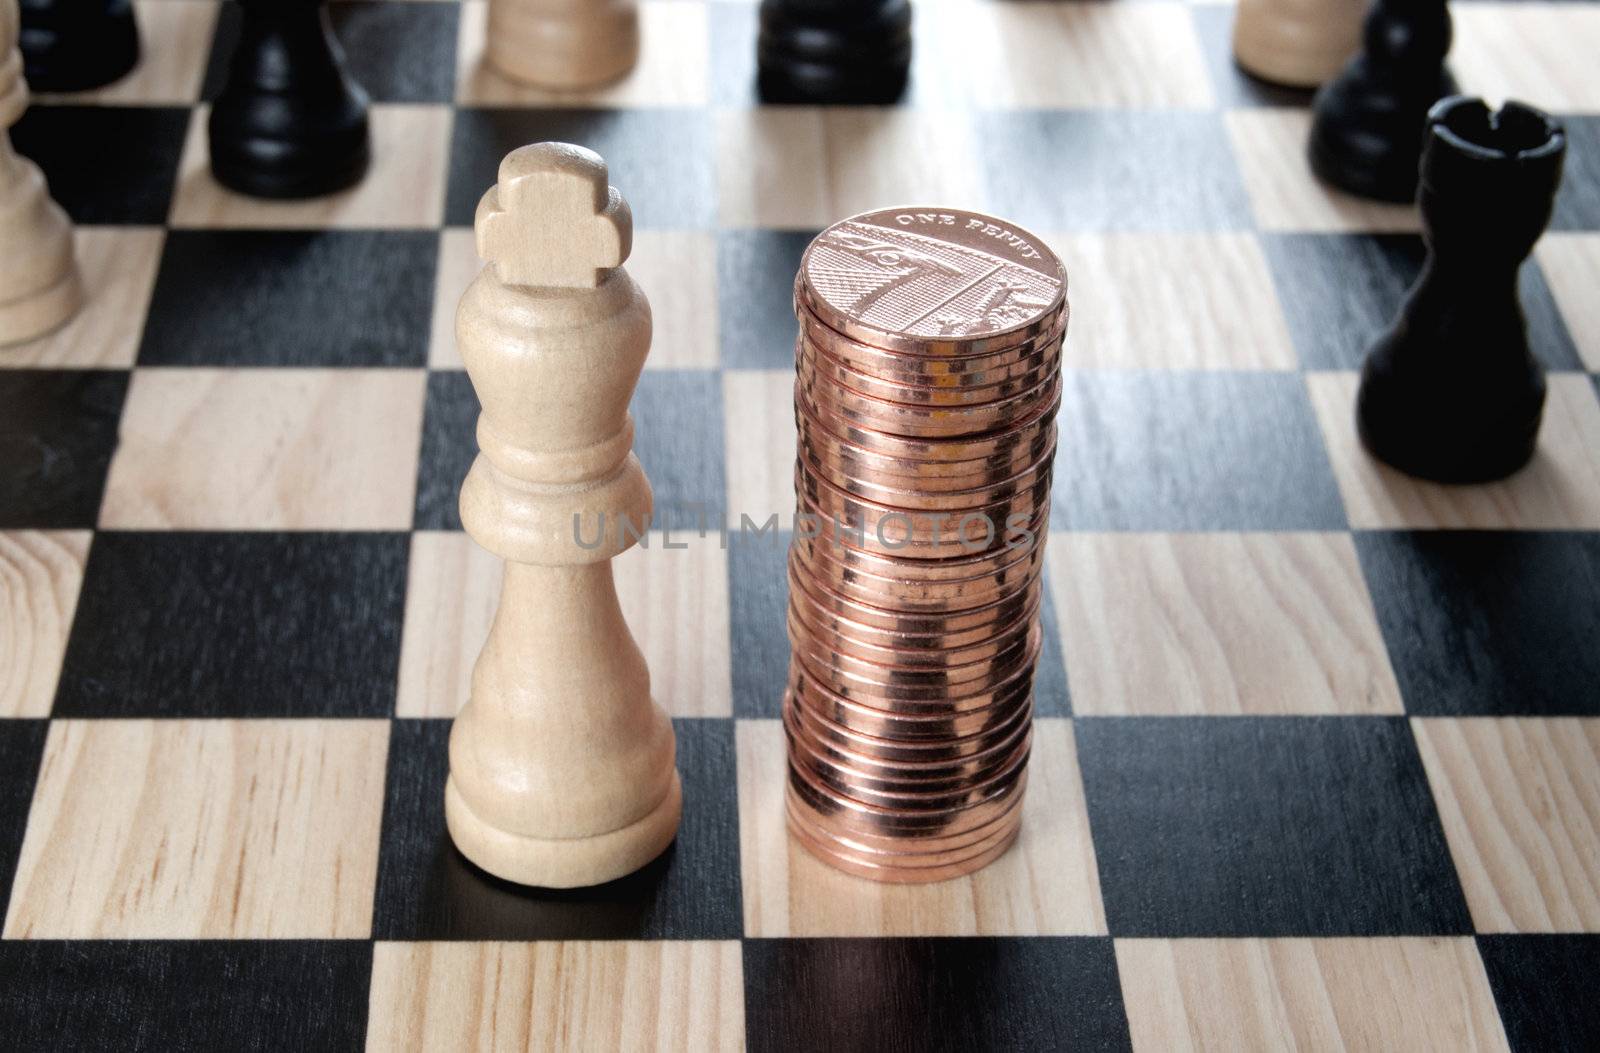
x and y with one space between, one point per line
1451 392
1367 123
289 122
827 52
75 45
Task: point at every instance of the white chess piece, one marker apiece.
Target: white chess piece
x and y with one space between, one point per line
39 287
563 44
1298 43
561 765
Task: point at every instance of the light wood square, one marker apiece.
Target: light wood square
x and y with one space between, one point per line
1218 624
1540 53
675 601
403 189
203 829
759 436
175 42
1051 56
1571 266
1558 490
1047 884
118 268
607 994
673 67
1520 804
40 574
676 269
1270 147
878 157
1358 994
267 449
771 168
1172 301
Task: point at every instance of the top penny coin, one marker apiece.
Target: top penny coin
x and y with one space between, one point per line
932 281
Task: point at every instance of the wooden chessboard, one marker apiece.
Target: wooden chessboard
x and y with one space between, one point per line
1318 756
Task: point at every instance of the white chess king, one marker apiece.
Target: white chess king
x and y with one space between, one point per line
39 287
561 765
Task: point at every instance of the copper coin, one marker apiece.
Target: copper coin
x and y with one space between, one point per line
893 628
931 281
938 716
977 370
913 389
992 750
848 775
906 731
890 846
868 682
912 655
921 422
928 751
999 441
907 495
957 793
937 587
845 813
922 865
840 459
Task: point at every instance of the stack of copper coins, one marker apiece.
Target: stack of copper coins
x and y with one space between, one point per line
927 384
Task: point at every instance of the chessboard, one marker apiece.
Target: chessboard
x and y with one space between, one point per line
1317 761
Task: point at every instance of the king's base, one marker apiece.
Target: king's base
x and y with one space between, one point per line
563 862
32 316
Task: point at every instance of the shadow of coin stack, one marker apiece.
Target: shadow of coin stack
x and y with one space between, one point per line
927 384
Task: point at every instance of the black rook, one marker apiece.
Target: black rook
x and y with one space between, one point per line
289 122
834 51
1452 392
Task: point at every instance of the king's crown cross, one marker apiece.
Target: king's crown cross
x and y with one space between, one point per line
552 220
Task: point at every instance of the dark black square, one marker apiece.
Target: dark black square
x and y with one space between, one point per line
1191 451
427 890
107 164
755 296
398 52
21 743
1233 86
933 994
1545 987
236 625
449 444
758 603
1578 202
1488 623
292 298
1088 170
57 435
1274 826
660 159
1340 292
677 416
173 995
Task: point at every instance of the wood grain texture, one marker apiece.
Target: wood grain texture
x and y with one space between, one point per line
1046 885
1520 804
215 449
676 269
202 830
40 572
1408 993
619 995
770 168
1571 266
177 43
758 419
675 602
1041 55
404 189
118 270
1269 144
673 67
1559 489
1220 624
1172 301
1542 53
876 157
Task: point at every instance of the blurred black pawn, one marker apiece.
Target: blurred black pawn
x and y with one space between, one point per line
75 45
1367 123
1451 392
289 122
833 51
